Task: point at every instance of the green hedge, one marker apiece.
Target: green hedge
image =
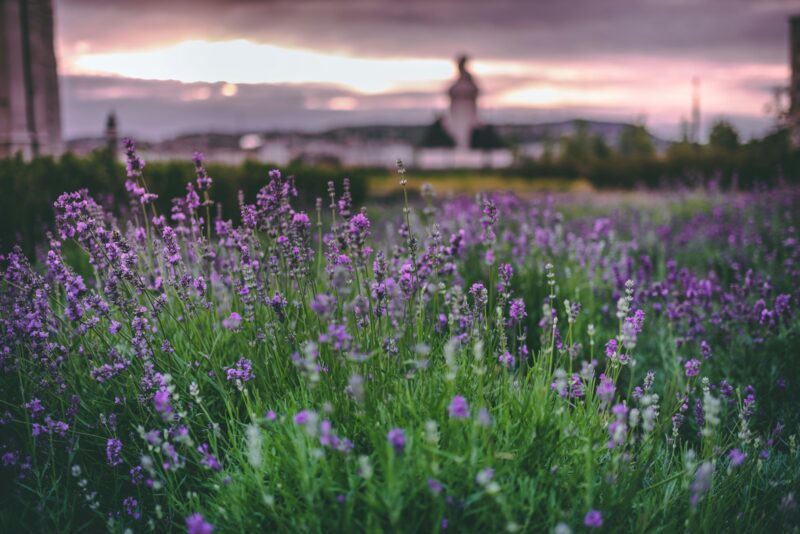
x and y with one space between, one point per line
29 188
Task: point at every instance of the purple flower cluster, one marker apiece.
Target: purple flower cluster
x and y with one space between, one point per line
459 408
593 519
240 373
692 367
113 452
397 439
196 524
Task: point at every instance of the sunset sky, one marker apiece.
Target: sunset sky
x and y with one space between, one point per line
173 66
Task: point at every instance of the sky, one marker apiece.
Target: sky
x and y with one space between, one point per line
177 66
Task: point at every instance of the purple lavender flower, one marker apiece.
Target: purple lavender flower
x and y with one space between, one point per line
749 402
196 524
737 457
359 229
171 251
137 475
203 179
278 303
701 483
131 507
506 272
35 407
323 305
397 438
636 321
153 437
435 486
605 390
459 408
113 452
241 372
209 460
692 367
506 359
611 348
9 458
303 417
517 310
479 293
337 336
233 321
593 519
161 402
134 163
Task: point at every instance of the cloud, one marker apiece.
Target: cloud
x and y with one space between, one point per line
729 30
154 110
535 61
159 109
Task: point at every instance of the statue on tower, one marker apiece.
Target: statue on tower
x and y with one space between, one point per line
463 117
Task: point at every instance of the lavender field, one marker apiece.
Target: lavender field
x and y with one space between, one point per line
611 362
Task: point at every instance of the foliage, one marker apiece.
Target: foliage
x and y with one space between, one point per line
485 137
635 142
724 162
723 136
30 188
436 136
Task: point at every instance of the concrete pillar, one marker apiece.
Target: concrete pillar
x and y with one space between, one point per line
794 83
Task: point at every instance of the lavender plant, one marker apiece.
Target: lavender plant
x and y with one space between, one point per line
473 365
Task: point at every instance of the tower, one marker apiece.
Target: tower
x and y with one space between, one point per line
111 134
794 82
30 115
694 133
463 115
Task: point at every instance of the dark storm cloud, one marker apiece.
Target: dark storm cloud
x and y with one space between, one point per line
728 30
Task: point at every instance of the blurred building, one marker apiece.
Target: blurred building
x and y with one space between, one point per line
457 138
30 114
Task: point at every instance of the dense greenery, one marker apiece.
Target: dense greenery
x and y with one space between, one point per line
30 188
635 162
499 364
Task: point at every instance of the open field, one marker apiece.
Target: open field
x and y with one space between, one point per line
500 362
460 184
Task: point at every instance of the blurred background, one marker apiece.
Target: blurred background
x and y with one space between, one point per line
523 95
